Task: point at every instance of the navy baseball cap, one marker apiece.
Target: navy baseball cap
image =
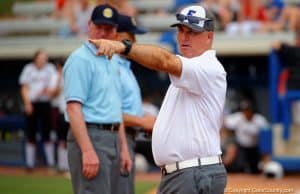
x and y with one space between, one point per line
128 24
105 14
196 18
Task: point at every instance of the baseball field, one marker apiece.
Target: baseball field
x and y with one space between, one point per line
43 181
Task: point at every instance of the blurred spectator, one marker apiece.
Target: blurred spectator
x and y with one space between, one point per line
36 87
221 11
280 17
247 124
59 107
60 7
123 6
290 55
148 106
289 77
230 151
78 13
250 16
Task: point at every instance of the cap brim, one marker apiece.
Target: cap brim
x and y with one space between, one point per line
191 26
98 22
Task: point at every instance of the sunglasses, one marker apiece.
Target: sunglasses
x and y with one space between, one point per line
191 19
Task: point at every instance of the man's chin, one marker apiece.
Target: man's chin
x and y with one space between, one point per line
185 52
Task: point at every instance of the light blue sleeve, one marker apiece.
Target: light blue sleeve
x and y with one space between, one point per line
77 76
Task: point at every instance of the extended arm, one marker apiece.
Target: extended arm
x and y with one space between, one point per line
150 56
25 97
145 122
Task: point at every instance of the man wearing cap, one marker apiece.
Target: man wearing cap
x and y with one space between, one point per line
186 139
133 116
93 94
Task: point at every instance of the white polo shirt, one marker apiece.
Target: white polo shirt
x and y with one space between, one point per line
38 80
246 131
191 115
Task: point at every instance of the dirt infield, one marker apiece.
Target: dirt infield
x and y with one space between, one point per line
236 184
249 184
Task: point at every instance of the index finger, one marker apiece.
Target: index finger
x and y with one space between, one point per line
94 42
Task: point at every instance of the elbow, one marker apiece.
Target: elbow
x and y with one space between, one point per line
73 107
166 63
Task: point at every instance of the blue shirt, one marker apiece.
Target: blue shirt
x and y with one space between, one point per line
131 94
94 82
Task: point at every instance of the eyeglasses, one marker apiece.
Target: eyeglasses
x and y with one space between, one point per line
191 19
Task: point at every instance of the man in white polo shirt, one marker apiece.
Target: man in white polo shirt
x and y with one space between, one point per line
186 139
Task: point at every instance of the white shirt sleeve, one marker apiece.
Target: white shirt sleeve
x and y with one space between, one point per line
193 77
231 121
54 81
24 77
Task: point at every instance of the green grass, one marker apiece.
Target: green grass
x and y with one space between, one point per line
27 184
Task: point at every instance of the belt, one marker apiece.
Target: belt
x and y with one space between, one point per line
195 162
105 126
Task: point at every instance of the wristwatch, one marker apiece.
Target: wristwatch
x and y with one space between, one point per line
128 44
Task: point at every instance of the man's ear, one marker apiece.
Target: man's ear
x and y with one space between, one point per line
210 35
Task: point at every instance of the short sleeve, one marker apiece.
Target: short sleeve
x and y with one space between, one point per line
193 76
263 123
231 121
24 77
54 77
54 81
77 76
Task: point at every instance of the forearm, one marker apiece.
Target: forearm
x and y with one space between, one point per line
78 126
230 155
157 58
25 94
122 138
132 121
150 56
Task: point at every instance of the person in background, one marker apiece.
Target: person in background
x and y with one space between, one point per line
133 116
289 77
77 13
92 90
59 108
123 6
36 93
247 124
148 106
230 151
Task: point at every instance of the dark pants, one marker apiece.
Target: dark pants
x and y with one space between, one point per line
106 146
250 157
39 120
59 124
124 185
210 179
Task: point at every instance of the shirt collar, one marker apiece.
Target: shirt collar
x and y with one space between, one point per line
91 47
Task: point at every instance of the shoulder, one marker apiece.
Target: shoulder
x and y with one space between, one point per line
79 56
235 117
50 67
260 118
28 68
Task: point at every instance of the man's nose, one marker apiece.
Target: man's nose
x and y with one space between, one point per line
185 36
